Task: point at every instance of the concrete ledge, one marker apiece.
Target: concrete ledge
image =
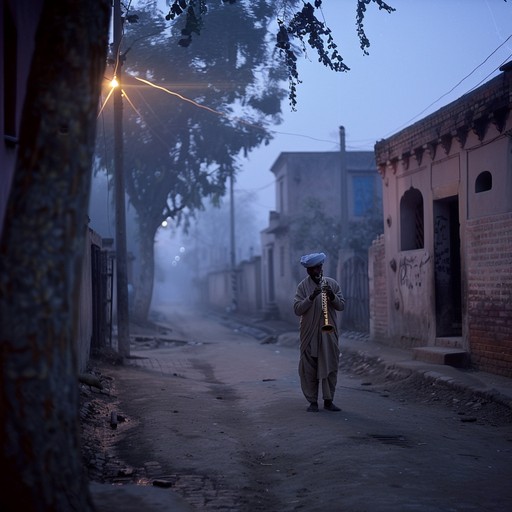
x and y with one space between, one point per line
441 355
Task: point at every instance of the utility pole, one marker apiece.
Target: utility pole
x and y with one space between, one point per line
343 186
234 287
123 329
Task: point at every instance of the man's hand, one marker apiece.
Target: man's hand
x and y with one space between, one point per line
326 288
316 292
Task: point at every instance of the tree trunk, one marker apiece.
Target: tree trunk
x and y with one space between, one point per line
40 260
144 288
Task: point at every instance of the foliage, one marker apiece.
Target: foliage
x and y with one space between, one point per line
210 235
176 152
182 147
316 229
183 137
302 27
360 12
361 233
305 24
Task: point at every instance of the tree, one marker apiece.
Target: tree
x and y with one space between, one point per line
40 260
209 239
314 228
204 246
298 29
177 153
192 167
361 233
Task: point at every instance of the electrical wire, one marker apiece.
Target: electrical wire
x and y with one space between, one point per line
407 123
305 136
493 71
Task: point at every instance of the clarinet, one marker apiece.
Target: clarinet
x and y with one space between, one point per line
326 327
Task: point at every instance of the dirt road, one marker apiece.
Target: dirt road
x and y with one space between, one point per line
220 419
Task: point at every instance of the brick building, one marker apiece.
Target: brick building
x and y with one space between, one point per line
441 275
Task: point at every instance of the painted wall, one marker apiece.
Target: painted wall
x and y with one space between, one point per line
454 286
377 283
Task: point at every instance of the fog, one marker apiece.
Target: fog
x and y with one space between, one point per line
181 258
422 57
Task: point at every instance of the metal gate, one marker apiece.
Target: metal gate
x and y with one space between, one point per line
354 285
102 290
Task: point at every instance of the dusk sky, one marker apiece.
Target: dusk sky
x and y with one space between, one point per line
422 56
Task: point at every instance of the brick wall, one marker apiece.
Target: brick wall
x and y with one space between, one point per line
489 289
378 289
485 102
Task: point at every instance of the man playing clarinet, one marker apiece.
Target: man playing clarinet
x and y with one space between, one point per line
317 301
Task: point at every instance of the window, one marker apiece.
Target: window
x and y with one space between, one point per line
411 220
483 182
364 195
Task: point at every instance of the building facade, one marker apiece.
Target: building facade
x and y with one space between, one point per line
441 276
312 187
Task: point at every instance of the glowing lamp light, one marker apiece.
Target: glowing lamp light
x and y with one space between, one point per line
114 83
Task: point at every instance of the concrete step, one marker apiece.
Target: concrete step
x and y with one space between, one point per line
449 342
442 355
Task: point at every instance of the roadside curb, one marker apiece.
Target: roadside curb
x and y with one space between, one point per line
453 378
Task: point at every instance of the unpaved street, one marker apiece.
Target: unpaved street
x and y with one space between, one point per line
220 419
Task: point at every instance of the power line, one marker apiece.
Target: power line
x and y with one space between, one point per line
216 112
493 71
305 136
456 85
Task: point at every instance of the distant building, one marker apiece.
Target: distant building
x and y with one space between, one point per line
441 276
345 185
